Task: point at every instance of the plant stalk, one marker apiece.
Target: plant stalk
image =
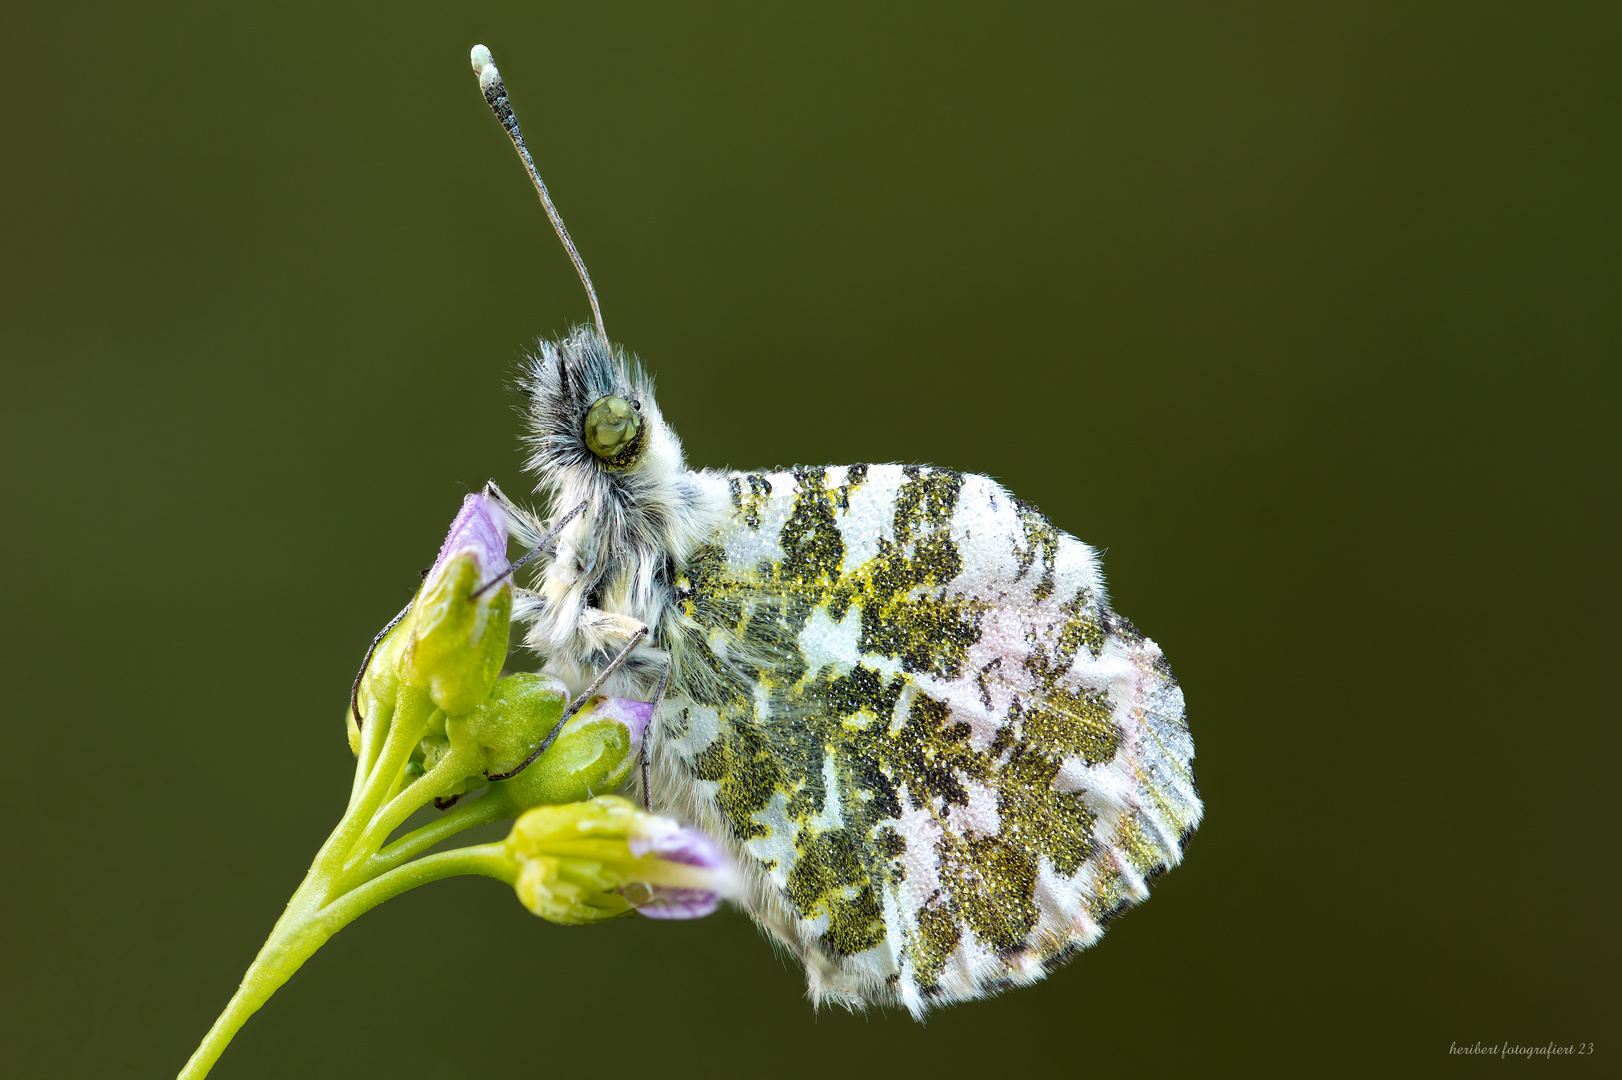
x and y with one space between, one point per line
329 898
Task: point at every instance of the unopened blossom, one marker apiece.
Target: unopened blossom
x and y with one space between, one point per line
459 624
605 858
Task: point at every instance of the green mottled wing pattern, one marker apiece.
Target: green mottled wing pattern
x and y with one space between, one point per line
941 759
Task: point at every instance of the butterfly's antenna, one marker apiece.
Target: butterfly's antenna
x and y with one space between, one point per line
495 95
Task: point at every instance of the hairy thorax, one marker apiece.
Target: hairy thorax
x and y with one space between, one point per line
614 573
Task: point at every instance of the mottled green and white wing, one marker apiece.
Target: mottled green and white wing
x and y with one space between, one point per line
943 760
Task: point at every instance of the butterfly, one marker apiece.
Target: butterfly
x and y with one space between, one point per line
897 695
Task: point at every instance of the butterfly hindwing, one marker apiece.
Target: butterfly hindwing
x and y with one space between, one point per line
901 697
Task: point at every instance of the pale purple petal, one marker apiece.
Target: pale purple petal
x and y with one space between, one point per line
711 877
481 528
633 714
671 842
668 903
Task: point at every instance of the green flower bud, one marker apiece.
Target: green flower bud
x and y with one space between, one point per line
588 861
456 641
594 752
511 721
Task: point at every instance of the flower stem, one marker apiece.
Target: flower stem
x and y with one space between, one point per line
371 737
451 771
329 898
480 811
296 942
489 860
289 946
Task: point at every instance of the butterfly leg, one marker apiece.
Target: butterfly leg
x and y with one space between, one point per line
647 741
525 527
371 650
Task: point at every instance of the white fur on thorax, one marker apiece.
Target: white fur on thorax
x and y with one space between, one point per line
638 523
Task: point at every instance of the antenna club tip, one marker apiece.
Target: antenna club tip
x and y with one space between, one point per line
484 66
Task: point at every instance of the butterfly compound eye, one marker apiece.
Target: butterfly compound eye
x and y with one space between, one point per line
613 431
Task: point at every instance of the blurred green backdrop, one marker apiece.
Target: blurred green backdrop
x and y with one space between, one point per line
1306 313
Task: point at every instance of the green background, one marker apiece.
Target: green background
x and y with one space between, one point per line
1308 314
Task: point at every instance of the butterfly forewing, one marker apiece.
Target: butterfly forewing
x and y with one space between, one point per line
902 698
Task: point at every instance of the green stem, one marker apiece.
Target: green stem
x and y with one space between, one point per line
327 867
326 901
294 943
490 860
481 811
452 769
402 737
371 733
289 946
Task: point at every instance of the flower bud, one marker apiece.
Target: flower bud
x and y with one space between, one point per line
594 752
665 840
600 859
457 642
511 721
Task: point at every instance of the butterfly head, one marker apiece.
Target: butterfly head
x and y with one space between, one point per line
593 420
597 442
